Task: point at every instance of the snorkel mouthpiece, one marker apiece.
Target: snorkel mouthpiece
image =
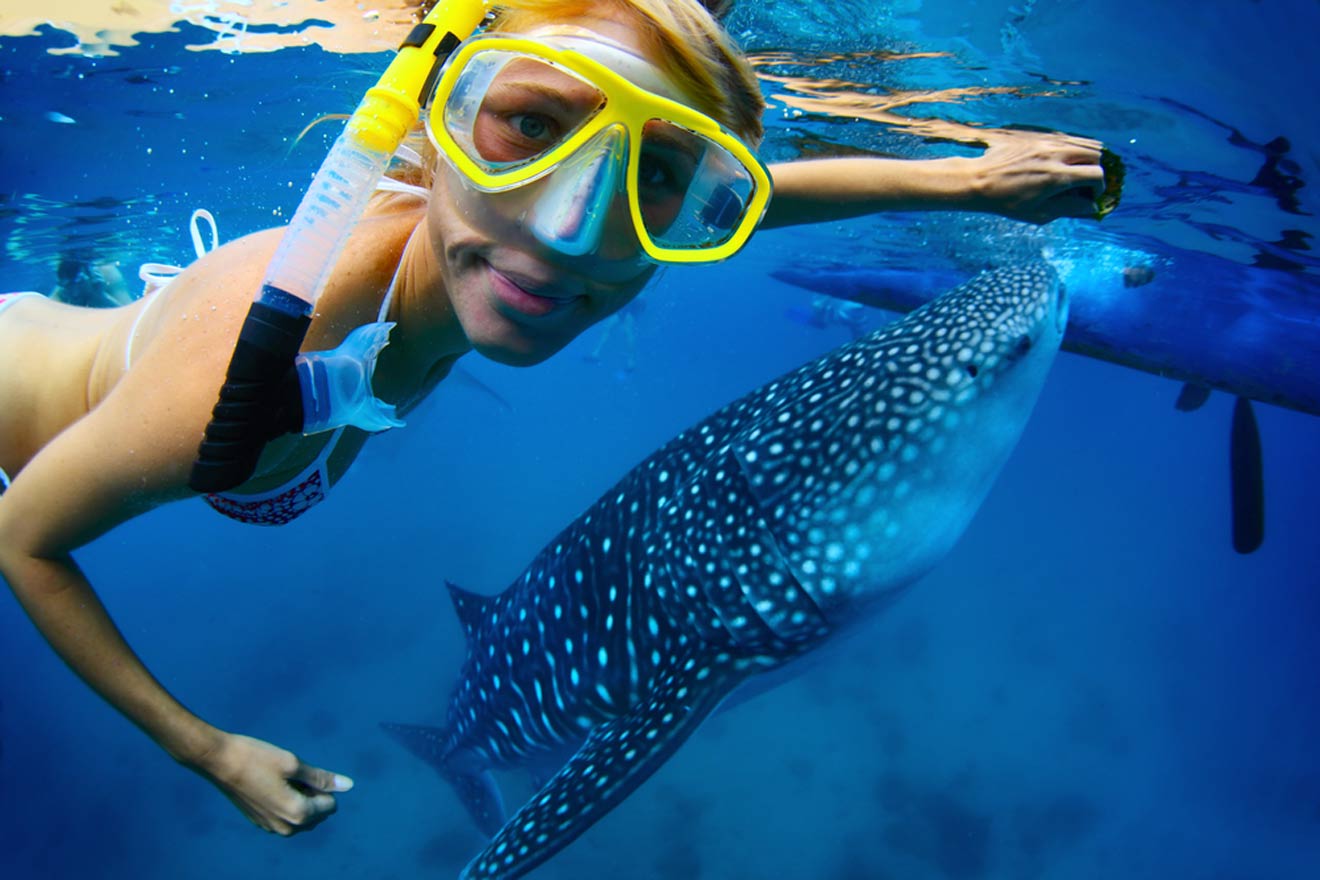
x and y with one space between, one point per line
336 384
570 212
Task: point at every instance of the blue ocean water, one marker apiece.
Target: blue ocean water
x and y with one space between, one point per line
1092 684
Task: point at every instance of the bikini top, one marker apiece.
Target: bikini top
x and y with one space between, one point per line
285 503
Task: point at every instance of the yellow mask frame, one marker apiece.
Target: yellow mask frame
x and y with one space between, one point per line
626 105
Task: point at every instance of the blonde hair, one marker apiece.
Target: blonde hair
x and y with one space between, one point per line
688 44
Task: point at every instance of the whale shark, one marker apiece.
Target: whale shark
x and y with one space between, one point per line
742 545
1208 323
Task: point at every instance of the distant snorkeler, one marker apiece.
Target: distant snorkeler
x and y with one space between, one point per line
82 281
827 311
624 321
571 149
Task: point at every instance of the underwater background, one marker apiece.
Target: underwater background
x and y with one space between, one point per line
1093 684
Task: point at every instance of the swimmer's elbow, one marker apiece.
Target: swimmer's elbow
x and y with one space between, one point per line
27 570
40 584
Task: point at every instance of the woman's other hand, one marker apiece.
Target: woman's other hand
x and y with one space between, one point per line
1036 176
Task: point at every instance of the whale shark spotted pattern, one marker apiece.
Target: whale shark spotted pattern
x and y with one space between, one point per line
743 543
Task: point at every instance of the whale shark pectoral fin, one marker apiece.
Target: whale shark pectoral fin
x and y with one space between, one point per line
464 771
617 757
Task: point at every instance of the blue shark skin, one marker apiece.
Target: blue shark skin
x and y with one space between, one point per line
741 545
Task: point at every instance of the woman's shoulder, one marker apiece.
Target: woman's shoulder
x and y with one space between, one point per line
235 271
219 286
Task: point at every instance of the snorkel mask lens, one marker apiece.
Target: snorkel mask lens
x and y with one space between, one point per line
515 111
506 111
692 192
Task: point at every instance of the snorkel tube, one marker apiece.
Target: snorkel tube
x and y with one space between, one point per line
259 399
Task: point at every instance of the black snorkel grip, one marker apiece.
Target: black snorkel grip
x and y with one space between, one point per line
260 399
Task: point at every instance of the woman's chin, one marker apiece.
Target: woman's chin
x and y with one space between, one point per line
516 353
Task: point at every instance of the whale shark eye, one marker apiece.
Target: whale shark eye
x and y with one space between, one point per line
972 370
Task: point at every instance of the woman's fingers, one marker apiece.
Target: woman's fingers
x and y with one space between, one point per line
1082 179
274 789
321 780
306 800
307 810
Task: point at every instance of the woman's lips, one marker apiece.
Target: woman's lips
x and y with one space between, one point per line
514 295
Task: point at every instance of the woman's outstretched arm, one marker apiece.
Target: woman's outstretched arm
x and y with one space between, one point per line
1028 176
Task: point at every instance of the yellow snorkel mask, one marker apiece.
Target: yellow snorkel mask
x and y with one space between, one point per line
593 125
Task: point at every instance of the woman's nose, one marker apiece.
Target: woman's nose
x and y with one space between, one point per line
577 199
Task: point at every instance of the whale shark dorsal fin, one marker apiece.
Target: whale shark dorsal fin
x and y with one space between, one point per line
617 757
471 608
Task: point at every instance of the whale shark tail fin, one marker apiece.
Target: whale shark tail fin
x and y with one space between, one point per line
473 784
460 767
431 744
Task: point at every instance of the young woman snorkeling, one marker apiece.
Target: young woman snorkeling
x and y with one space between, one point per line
577 144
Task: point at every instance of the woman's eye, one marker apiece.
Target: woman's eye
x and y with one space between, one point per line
666 166
655 174
532 126
514 137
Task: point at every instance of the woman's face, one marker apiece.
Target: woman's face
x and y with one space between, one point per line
517 299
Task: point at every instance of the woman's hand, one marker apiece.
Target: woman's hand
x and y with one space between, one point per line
1036 176
274 789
